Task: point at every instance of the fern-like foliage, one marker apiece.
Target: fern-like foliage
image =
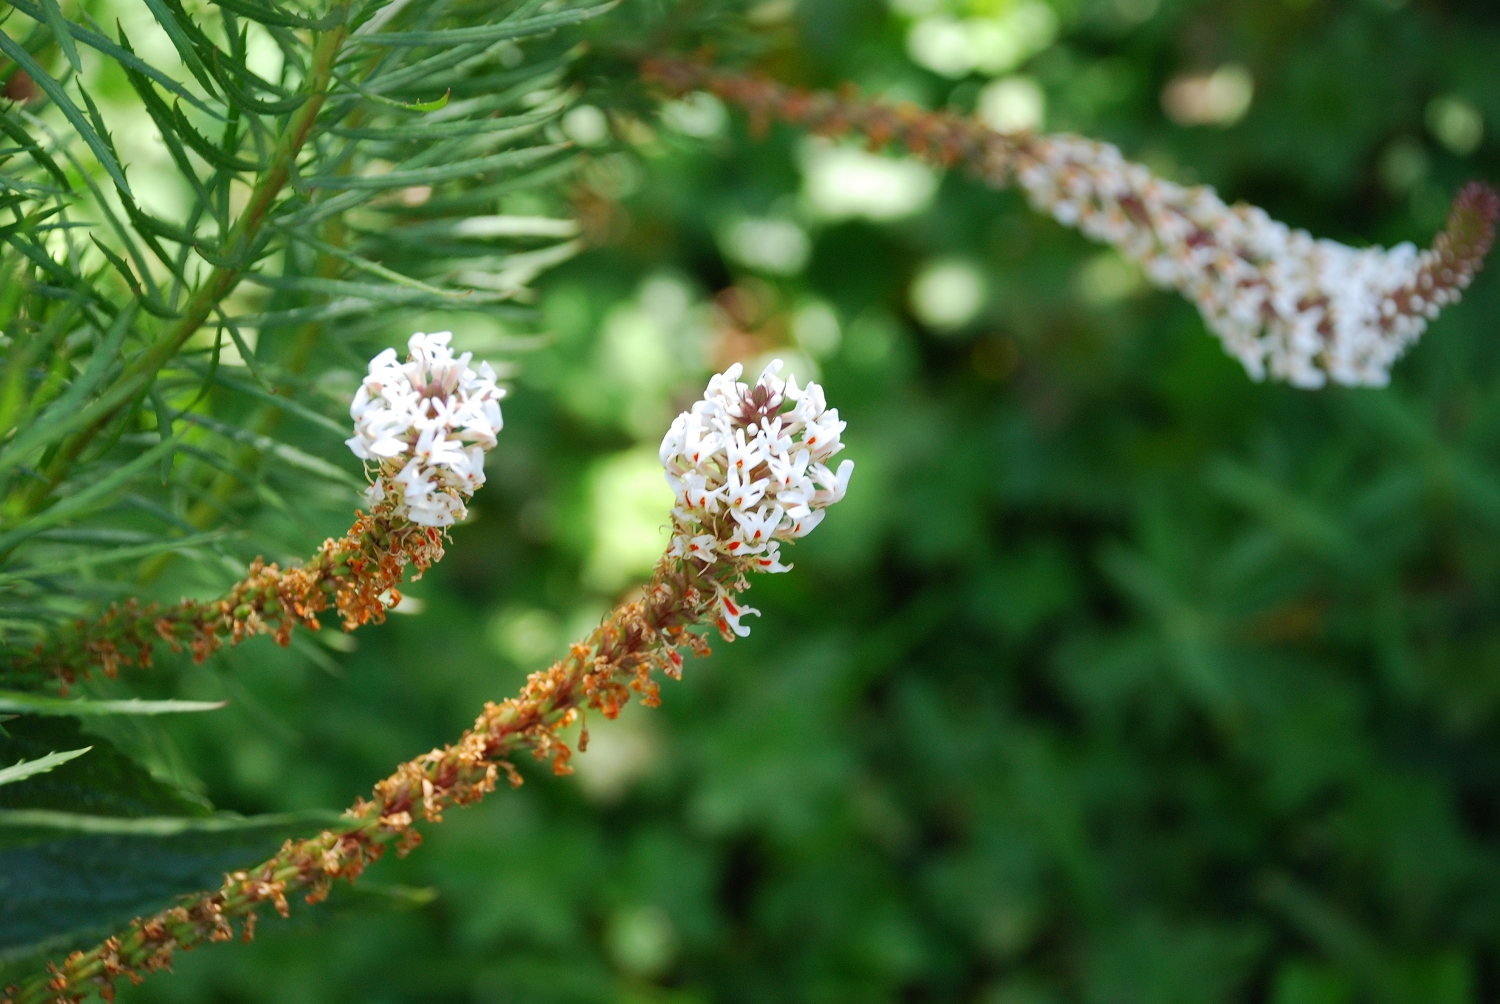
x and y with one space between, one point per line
171 308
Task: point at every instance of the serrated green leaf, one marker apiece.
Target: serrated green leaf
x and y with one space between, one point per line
143 268
59 27
23 703
149 225
126 57
86 499
93 559
409 131
107 782
270 14
423 72
119 266
490 33
175 22
38 256
289 454
433 175
205 149
23 769
58 420
273 397
165 124
244 98
415 106
54 90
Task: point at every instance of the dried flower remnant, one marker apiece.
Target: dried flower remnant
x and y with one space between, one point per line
1285 304
749 467
428 424
771 435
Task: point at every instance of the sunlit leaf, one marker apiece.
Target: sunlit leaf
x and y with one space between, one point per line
29 768
40 704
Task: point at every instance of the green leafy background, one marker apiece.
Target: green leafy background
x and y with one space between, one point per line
1117 678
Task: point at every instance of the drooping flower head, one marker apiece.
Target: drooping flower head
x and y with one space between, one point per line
749 467
1288 306
427 423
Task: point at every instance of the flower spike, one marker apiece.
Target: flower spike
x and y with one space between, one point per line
1285 304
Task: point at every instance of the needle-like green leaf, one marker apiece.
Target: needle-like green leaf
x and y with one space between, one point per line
84 501
59 26
25 703
172 19
489 33
41 765
470 168
160 826
270 14
95 557
58 420
54 90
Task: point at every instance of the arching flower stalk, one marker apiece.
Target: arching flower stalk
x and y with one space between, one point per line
771 435
427 424
1285 304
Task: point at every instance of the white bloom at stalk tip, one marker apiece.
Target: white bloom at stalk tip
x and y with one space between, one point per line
427 423
749 467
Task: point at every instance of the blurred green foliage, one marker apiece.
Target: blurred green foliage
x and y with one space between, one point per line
1117 678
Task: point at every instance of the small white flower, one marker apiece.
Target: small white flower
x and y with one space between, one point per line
701 547
697 493
834 484
770 561
822 437
757 527
740 492
730 613
801 526
787 474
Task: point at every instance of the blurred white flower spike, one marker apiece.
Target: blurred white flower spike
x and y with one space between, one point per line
427 424
749 467
1287 305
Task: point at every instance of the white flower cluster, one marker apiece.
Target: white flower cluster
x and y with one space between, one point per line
427 422
750 472
1284 303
